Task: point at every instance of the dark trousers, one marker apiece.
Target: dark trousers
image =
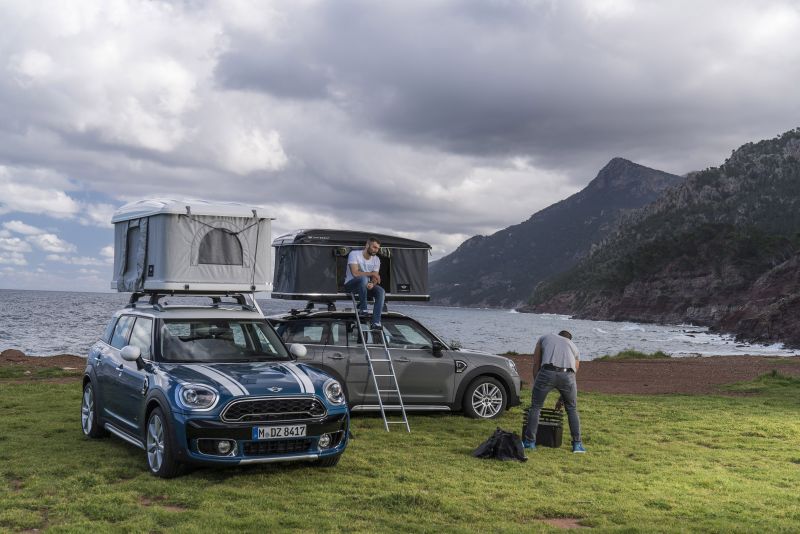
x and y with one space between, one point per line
564 382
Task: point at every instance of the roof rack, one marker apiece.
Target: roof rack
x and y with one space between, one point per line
241 299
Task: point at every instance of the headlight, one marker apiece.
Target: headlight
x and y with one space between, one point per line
197 396
334 392
513 367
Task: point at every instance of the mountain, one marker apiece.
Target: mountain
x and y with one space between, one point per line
502 269
722 249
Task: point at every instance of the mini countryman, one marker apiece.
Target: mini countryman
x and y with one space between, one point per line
432 376
209 384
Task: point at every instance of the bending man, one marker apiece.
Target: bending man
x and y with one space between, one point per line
362 278
555 362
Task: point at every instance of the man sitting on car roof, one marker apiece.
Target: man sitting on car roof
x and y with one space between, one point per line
362 278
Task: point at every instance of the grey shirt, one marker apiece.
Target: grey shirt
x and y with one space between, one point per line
559 351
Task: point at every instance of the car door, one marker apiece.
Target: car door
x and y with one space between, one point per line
132 381
110 366
344 356
424 377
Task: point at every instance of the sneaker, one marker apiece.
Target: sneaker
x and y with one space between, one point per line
577 447
376 326
528 444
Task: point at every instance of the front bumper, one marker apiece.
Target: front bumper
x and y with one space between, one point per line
195 437
513 397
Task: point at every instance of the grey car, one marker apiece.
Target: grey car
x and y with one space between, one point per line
431 375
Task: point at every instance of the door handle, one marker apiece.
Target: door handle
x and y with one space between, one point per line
403 360
337 356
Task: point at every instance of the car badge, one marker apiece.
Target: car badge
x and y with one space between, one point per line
275 389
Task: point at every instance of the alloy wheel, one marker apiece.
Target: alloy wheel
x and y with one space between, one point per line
87 410
155 443
487 400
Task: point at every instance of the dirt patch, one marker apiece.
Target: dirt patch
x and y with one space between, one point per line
564 522
160 501
61 361
693 375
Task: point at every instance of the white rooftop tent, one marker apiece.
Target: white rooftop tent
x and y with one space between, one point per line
191 245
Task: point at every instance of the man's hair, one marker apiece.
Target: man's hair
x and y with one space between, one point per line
373 240
565 334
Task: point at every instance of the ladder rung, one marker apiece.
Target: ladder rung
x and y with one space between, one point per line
383 376
389 390
395 422
380 360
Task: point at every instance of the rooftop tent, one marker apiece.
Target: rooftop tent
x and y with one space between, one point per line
310 265
190 245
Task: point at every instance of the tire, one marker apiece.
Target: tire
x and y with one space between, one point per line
330 461
89 420
158 446
485 398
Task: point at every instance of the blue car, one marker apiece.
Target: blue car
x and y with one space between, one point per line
209 384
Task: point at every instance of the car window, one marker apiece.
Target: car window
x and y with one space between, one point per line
122 331
141 336
220 340
338 333
307 332
405 334
109 331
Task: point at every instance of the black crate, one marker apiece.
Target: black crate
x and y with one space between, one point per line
551 427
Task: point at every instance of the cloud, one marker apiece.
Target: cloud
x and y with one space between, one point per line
97 215
74 260
51 243
12 258
22 228
14 244
19 196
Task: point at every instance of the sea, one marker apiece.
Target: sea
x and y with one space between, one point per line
45 323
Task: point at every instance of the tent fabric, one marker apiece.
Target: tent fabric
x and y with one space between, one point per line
502 445
170 206
309 264
207 252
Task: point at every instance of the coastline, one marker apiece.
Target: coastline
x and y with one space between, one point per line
701 375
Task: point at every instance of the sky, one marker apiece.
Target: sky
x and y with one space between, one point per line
434 120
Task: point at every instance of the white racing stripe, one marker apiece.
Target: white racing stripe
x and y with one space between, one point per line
229 383
305 382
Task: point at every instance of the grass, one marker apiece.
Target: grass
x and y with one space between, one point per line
631 354
655 464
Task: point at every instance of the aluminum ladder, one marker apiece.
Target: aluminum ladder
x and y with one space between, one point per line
388 374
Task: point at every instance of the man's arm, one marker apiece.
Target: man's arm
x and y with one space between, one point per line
537 357
356 271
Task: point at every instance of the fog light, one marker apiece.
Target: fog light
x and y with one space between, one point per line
224 447
324 441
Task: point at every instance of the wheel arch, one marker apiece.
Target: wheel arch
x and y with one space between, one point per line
479 372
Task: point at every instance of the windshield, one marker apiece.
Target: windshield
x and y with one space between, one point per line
220 340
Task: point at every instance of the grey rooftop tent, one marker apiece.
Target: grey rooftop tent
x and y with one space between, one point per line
190 245
310 265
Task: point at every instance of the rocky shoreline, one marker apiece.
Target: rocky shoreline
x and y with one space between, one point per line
685 375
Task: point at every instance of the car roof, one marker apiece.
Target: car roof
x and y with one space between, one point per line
191 312
346 313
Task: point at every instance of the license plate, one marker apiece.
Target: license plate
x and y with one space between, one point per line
277 432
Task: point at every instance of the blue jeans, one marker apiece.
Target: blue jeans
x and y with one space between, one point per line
358 286
564 382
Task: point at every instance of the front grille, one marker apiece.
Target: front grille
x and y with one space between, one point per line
274 409
264 448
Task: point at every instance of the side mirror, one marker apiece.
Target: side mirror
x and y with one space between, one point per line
298 350
130 353
437 348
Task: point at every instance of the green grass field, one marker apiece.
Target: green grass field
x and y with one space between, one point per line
655 463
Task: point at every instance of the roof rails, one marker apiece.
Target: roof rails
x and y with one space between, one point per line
216 299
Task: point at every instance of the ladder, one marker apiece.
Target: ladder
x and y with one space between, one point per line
391 387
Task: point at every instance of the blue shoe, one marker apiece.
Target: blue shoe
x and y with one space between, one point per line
528 444
577 447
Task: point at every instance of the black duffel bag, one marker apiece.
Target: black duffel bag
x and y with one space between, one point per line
501 445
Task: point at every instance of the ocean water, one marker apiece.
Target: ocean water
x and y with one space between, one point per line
44 323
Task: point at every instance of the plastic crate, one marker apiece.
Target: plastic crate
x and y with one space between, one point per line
551 427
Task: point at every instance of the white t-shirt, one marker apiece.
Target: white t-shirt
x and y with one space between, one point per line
364 265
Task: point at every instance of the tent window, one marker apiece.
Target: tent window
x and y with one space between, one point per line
220 247
132 250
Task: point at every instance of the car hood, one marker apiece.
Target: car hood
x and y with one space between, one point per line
263 379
